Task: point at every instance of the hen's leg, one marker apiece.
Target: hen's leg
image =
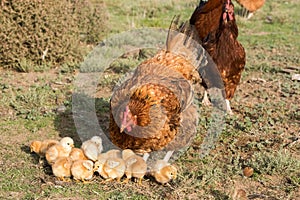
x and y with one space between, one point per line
228 108
146 156
205 100
250 14
244 12
168 156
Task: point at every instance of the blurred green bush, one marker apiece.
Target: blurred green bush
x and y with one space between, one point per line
36 33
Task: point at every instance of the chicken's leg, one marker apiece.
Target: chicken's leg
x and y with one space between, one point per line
228 108
146 156
250 15
206 100
168 156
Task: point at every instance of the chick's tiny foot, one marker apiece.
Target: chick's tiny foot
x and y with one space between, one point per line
126 181
77 181
86 182
107 180
63 179
119 180
140 181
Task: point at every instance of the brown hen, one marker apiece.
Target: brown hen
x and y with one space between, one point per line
250 6
216 26
153 109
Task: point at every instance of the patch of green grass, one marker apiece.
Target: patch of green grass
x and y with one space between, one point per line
279 163
137 14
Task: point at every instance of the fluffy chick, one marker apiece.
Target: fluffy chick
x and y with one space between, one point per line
40 147
101 160
114 168
77 154
98 167
163 171
82 170
62 149
135 166
62 168
113 153
92 147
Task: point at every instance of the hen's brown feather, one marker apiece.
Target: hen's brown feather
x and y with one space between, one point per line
228 54
160 94
206 17
154 103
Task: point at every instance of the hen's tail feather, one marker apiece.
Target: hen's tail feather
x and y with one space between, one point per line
183 40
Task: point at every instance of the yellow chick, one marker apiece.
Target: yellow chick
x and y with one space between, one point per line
113 153
163 171
92 147
77 154
114 168
101 160
82 170
62 168
62 149
98 166
135 166
40 147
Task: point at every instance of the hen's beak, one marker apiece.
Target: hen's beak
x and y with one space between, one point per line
122 129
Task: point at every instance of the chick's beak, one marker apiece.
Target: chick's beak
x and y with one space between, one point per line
175 176
95 169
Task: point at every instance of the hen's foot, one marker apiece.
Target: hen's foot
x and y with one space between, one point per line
205 100
228 108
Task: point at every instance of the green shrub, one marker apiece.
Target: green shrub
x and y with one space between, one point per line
35 32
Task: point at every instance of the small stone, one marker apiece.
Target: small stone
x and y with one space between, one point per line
248 171
61 109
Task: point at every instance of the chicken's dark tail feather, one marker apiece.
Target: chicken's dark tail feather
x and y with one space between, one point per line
183 40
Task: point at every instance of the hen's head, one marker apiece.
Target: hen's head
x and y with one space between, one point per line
228 14
128 120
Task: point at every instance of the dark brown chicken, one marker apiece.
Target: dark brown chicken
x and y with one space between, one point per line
250 6
153 109
216 26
